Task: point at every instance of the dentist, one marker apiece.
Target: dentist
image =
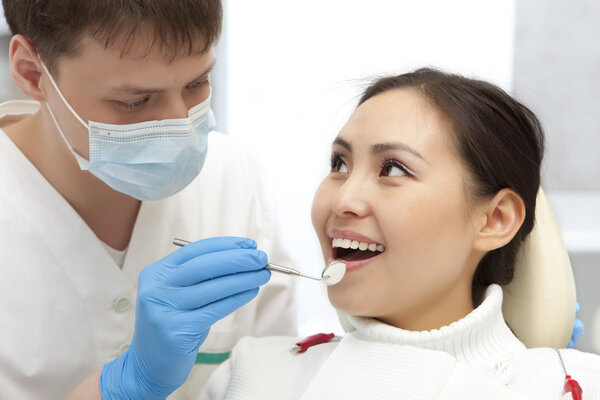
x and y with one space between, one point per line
114 157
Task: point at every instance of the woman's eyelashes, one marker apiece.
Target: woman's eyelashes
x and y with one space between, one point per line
338 164
392 167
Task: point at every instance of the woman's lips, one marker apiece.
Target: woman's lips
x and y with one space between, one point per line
347 234
354 265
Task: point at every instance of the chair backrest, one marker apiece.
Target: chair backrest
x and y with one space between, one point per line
539 304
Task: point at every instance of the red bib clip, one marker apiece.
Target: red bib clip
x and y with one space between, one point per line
312 340
571 386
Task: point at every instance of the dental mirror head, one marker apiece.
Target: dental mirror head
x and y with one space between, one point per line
334 272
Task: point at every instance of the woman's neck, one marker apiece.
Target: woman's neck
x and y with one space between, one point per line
442 309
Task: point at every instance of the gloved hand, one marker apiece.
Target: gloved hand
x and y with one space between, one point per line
577 328
179 298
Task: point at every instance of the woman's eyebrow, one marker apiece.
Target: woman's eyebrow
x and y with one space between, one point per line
381 147
341 142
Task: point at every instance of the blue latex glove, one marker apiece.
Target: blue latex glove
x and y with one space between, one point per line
179 298
577 328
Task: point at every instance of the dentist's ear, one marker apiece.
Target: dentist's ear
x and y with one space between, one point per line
25 68
501 218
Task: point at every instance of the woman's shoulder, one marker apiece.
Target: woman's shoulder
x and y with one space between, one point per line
276 356
256 345
571 358
542 369
278 350
265 368
582 360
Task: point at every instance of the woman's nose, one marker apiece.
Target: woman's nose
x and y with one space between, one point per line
351 198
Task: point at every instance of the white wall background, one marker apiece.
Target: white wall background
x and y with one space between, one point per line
557 59
3 26
292 72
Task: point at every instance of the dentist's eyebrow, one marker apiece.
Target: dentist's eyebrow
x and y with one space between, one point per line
133 90
398 146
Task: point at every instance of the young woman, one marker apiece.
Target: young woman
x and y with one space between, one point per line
432 189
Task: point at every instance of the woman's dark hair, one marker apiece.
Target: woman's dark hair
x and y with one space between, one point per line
500 141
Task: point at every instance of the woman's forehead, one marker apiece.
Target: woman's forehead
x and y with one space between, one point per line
398 115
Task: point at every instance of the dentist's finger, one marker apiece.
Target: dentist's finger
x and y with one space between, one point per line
205 293
207 246
213 265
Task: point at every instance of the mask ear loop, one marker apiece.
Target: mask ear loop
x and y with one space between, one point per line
61 95
83 163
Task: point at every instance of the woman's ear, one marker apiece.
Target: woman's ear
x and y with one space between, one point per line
502 216
25 68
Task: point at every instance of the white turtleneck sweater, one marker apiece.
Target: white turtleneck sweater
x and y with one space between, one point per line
477 357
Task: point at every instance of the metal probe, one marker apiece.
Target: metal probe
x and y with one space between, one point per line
270 266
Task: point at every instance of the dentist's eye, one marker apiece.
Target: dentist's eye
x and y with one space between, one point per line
133 105
391 167
338 164
198 83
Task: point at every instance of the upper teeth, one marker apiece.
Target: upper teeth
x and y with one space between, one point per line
355 244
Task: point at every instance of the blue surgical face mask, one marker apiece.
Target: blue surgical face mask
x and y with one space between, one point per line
148 160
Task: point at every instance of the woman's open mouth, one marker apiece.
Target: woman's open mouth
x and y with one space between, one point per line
355 253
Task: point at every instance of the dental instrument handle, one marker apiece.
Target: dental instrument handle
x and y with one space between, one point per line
269 266
180 242
289 271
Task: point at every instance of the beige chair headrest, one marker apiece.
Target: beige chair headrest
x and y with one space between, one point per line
539 304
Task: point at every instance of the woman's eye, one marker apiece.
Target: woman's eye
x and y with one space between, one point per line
338 164
393 168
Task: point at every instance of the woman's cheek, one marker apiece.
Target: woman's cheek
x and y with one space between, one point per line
320 208
319 214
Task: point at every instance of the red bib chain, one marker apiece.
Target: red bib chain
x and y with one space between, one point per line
571 385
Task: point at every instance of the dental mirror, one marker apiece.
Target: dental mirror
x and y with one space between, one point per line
332 274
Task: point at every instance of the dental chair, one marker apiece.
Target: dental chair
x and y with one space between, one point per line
539 304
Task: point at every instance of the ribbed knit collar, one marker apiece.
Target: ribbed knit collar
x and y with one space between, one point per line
481 337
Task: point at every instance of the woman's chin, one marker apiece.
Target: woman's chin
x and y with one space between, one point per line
344 302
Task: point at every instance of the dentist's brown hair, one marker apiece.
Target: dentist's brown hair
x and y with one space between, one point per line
55 27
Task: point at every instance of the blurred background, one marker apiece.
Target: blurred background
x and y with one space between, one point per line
289 74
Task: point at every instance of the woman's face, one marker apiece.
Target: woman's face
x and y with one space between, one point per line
397 185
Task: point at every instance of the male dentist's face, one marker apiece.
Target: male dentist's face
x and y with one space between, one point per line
396 196
116 87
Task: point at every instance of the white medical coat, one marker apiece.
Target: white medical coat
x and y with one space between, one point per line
66 308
